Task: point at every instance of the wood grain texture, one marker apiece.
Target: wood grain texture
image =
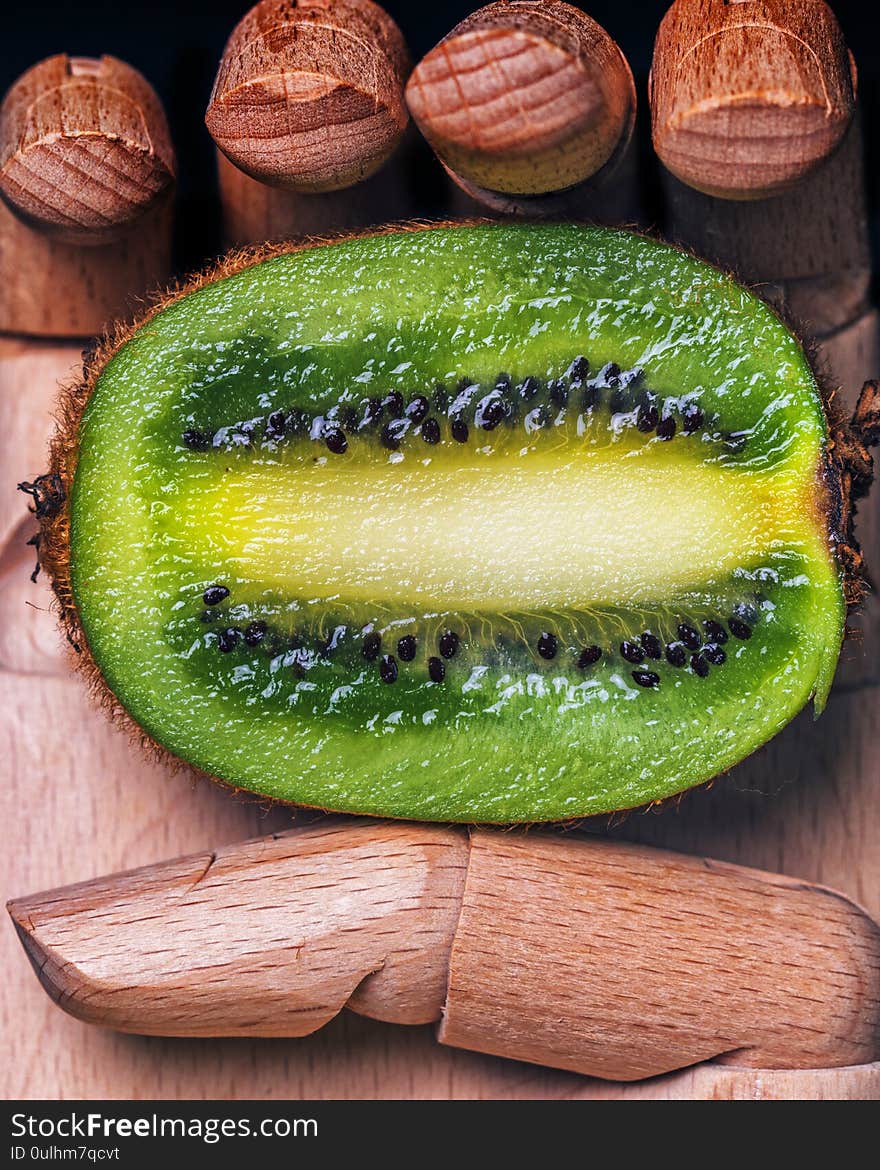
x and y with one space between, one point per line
610 960
309 95
625 963
50 289
524 98
712 1082
748 98
734 82
268 938
84 147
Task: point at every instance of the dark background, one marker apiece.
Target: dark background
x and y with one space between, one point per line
177 45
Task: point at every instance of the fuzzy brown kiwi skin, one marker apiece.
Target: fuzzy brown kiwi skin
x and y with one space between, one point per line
844 478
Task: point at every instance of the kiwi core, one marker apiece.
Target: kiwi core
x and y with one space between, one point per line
575 529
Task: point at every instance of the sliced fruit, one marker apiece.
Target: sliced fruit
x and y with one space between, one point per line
490 523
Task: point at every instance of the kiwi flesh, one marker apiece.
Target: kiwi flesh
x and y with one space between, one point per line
476 523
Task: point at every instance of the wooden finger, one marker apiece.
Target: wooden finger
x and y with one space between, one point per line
307 109
611 960
86 173
530 107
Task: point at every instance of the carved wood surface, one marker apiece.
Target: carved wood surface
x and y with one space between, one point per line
748 98
84 147
606 959
272 937
624 962
524 98
309 96
755 102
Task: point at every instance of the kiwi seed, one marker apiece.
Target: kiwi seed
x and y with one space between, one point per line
388 668
548 644
214 594
676 654
588 656
406 648
371 647
448 644
699 665
632 652
228 639
689 636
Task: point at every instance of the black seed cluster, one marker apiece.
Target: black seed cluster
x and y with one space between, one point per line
651 645
228 640
676 654
692 419
459 430
529 388
469 409
689 636
255 633
689 649
336 441
715 632
557 392
418 408
740 629
699 649
699 665
393 432
449 644
407 649
393 403
275 424
648 416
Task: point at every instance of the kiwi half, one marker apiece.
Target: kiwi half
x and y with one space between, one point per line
477 523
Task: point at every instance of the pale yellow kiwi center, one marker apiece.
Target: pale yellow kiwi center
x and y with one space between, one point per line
598 526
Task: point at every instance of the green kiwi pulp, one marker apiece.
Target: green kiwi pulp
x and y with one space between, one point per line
476 523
